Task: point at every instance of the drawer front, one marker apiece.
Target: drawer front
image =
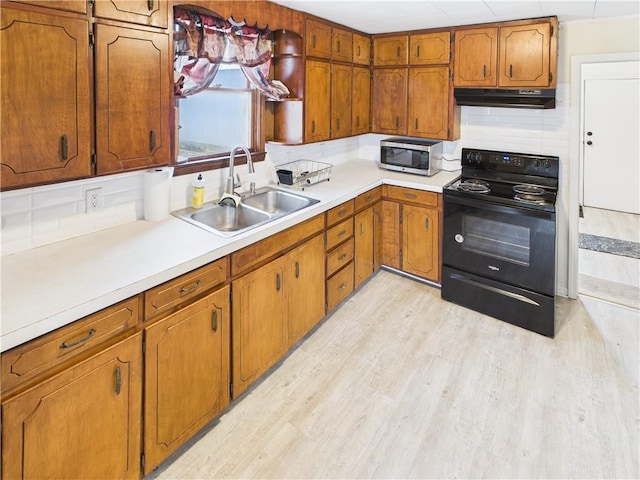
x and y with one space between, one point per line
339 213
339 287
339 257
271 247
410 195
174 293
368 198
27 361
338 234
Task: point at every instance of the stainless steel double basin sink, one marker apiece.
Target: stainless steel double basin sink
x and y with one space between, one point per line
266 205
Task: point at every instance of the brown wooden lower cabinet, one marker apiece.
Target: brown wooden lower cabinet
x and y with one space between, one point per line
82 423
186 374
285 296
364 235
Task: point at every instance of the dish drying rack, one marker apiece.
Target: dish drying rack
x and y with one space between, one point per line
302 173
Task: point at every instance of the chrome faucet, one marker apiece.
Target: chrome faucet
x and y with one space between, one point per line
231 185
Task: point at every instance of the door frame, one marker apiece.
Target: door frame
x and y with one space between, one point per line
577 153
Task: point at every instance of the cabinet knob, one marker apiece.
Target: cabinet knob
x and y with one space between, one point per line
150 4
589 142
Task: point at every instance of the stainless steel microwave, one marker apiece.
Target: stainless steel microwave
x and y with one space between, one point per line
411 155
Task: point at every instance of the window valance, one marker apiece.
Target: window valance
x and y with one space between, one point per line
202 41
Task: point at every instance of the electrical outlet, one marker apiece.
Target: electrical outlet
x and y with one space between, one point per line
93 199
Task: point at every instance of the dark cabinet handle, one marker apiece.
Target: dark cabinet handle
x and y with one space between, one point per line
342 213
416 123
80 340
190 289
397 122
426 224
214 321
64 148
150 4
342 233
342 257
357 120
362 229
589 134
418 51
338 45
313 126
313 41
278 282
398 52
297 269
410 196
342 287
118 380
337 124
589 142
152 140
510 71
358 51
484 71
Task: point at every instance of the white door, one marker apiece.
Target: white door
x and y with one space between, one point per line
611 168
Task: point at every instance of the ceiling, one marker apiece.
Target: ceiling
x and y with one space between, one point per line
382 16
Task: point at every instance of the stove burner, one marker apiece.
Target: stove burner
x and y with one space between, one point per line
528 190
534 198
474 186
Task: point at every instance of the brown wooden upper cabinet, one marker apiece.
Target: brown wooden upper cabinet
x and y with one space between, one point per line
518 54
317 116
341 45
46 113
317 39
429 48
361 101
431 110
389 51
78 6
144 12
132 111
361 49
341 100
389 101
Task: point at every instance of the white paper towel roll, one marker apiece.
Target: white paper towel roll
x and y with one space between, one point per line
157 194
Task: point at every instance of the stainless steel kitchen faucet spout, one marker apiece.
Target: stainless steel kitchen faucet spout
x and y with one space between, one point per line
230 181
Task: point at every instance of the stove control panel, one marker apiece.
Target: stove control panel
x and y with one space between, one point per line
529 164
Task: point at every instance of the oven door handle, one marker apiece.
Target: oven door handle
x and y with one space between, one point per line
477 203
515 296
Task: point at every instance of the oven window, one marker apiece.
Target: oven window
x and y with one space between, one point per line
500 240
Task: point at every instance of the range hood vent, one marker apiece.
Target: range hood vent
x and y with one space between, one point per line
501 97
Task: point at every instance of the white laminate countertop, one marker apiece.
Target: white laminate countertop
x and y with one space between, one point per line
51 286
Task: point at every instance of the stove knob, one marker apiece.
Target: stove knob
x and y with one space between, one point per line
459 238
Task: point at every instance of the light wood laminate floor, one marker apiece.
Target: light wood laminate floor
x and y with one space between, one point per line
398 383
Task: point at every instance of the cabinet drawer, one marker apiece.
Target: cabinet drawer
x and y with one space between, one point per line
339 286
339 213
44 353
368 198
271 247
339 257
410 195
339 233
173 293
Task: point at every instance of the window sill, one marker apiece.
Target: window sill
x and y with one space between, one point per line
198 166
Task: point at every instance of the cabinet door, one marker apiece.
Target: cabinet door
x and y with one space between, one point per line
305 282
429 105
317 103
389 99
420 247
390 248
79 6
341 45
259 326
318 39
476 55
45 117
186 374
144 12
429 48
361 102
132 99
361 49
525 55
389 51
82 423
364 246
341 77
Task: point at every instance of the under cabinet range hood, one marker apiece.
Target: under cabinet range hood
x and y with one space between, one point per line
502 97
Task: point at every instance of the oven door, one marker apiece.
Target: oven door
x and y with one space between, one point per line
508 244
